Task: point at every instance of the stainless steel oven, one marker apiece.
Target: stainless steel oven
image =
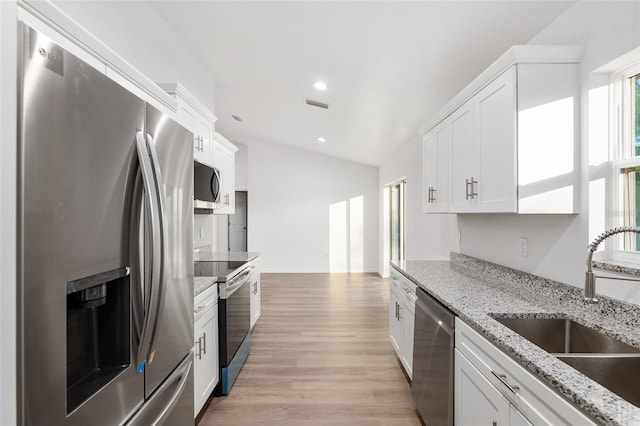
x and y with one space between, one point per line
234 317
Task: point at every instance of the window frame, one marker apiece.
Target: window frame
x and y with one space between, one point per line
621 150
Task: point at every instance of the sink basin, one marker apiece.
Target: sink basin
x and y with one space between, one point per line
565 336
618 373
610 362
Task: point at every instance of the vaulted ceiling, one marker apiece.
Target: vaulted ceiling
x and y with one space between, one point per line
388 65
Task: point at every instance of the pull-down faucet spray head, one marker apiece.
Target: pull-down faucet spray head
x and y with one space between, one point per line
590 277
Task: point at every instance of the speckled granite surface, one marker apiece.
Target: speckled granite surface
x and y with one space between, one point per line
206 255
615 266
200 284
473 289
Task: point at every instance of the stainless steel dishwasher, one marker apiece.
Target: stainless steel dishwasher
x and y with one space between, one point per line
433 348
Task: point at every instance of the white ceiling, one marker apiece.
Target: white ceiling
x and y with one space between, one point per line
389 65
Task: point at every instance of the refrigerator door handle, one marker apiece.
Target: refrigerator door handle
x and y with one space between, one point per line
155 410
152 205
160 197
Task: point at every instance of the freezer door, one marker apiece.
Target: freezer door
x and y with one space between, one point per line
172 156
77 167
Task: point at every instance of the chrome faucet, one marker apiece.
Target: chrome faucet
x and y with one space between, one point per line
590 278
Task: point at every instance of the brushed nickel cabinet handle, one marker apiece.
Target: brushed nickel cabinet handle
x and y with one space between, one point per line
503 380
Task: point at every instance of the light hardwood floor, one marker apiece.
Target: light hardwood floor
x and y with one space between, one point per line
320 355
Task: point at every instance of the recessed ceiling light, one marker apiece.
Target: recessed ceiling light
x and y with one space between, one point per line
320 85
322 140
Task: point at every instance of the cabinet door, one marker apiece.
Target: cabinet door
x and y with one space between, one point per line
495 145
436 169
204 131
206 368
477 402
408 320
228 173
516 418
462 159
395 325
186 117
255 296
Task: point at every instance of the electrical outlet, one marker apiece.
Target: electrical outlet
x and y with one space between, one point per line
524 246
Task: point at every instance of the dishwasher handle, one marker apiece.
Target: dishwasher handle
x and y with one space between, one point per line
440 314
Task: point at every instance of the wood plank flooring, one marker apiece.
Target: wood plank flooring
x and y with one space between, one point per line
320 355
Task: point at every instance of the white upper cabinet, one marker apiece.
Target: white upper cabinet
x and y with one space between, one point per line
194 116
482 153
461 164
512 145
435 148
224 159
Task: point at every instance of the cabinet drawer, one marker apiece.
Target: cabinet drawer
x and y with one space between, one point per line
534 399
404 287
205 301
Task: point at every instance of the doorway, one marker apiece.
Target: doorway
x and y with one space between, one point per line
397 220
238 223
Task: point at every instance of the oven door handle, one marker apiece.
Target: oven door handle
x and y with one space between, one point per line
234 285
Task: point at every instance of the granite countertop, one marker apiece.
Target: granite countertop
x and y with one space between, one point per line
200 284
473 289
206 255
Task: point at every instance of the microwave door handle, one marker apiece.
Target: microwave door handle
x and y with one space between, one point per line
161 258
151 206
215 185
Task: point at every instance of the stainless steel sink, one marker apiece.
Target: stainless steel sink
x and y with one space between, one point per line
618 373
608 361
565 336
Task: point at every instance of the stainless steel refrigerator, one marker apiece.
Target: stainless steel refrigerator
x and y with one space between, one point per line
105 242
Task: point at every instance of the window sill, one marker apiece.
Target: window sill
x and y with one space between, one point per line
616 266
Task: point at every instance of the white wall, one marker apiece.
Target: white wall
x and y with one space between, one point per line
309 212
242 167
558 244
139 34
428 236
8 174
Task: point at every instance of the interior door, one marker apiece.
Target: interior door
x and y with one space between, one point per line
238 224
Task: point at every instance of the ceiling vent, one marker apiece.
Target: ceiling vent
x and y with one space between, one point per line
317 104
237 118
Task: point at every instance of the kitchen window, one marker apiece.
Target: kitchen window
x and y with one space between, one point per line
625 194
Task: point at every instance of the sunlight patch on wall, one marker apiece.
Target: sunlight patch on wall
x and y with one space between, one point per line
356 234
346 235
598 125
338 237
545 151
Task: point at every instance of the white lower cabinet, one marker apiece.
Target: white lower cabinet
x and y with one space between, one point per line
477 401
493 389
254 282
205 334
402 300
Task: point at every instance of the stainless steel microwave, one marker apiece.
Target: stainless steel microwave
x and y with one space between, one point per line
206 186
